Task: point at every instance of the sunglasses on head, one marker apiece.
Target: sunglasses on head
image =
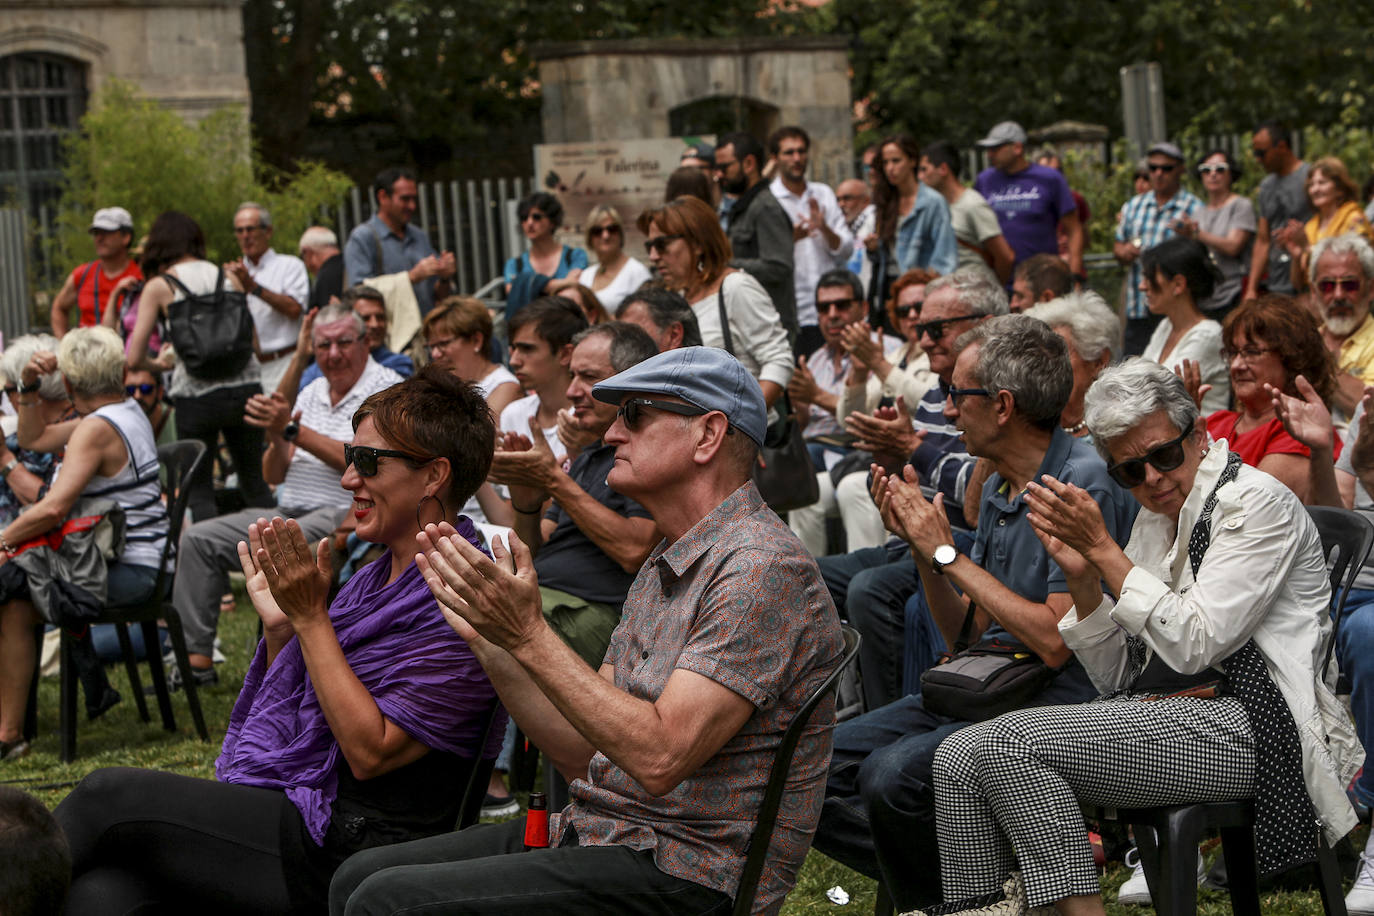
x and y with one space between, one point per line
1348 285
144 388
1131 472
364 458
597 232
659 243
939 327
632 410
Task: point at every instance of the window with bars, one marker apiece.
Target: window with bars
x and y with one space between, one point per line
42 98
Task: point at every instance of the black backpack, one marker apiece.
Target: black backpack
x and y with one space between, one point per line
212 332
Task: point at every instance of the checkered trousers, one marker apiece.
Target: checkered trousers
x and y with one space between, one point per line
1008 790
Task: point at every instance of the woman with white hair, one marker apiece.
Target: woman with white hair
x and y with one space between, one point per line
1209 662
108 452
1093 333
23 472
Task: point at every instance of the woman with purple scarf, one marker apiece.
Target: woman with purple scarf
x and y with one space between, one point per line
359 722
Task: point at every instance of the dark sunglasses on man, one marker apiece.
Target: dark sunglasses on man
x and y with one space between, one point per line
144 389
632 411
1131 472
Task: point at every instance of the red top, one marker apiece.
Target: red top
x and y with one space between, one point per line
1266 439
93 287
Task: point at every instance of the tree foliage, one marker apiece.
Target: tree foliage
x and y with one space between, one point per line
132 152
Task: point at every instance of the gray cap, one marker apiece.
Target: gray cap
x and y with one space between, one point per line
699 151
1006 132
112 218
706 377
1165 148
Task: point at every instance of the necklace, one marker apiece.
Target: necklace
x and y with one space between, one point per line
1076 428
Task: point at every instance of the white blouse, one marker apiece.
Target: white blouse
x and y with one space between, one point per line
760 342
630 278
1201 342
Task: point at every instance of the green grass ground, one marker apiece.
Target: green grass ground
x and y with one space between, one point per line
121 739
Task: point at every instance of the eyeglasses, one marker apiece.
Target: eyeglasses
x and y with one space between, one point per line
958 394
439 344
842 305
364 458
1131 472
247 230
144 389
324 346
632 410
1212 169
904 311
939 327
533 216
597 232
1261 153
1249 354
1347 285
1162 166
659 243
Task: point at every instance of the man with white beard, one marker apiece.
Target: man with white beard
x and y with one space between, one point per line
1342 277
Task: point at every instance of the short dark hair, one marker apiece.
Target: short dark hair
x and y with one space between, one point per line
790 132
841 277
942 152
744 145
545 203
556 320
351 295
688 181
665 308
1179 256
1232 165
435 414
35 861
386 180
1046 271
173 236
1278 132
630 344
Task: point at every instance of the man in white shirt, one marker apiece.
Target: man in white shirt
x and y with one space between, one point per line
975 223
304 460
278 288
821 240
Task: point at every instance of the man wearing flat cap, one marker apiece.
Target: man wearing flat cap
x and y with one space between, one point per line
90 285
1148 219
726 630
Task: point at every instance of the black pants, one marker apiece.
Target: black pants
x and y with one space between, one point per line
485 870
165 842
205 418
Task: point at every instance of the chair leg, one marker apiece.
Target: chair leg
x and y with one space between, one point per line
158 675
178 638
31 710
68 699
1242 872
131 666
1169 856
1329 873
882 901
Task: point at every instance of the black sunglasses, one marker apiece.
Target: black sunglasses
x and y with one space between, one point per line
903 311
632 410
937 328
842 304
144 388
364 458
958 394
659 243
597 232
1166 457
1162 166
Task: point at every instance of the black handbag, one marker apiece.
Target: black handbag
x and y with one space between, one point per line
787 478
982 681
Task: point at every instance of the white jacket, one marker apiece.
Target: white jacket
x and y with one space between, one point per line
1263 577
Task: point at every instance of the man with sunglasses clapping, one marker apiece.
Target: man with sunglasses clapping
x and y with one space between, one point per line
1342 279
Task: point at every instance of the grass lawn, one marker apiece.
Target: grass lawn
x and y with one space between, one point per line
121 739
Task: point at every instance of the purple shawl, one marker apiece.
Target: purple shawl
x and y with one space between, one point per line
422 675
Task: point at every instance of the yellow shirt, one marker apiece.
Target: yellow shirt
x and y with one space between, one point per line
1357 352
1349 218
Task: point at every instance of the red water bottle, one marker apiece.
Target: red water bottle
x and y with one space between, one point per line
537 822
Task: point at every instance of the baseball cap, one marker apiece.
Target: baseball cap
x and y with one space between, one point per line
112 218
1165 148
706 377
1006 132
699 151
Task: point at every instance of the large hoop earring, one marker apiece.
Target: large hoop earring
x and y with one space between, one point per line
443 511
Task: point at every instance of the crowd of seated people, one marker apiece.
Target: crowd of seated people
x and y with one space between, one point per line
456 530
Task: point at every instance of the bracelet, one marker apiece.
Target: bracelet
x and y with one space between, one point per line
534 511
25 388
4 545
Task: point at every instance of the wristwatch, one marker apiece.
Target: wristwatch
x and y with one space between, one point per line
25 388
5 471
290 431
944 555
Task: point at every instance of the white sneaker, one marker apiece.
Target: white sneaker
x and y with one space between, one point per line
1136 890
1360 900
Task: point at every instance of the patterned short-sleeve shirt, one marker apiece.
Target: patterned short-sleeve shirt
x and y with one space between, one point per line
737 599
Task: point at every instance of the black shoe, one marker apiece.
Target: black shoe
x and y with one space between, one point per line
107 702
204 677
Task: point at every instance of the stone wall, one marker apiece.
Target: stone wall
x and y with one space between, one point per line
601 90
186 54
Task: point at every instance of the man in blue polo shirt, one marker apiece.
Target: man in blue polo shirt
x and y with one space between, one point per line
388 243
1011 380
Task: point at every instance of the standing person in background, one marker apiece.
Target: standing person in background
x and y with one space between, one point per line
759 231
975 225
1032 203
1226 225
89 286
1146 220
615 274
856 202
1048 156
319 249
388 243
820 234
1283 208
914 228
548 265
277 286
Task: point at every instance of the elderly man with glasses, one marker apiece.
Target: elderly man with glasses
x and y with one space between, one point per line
1148 219
278 288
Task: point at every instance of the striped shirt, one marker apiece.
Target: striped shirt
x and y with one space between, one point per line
941 459
1146 223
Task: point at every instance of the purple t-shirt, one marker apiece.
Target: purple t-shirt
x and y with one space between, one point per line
1028 205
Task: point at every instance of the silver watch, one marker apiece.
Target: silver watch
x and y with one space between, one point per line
944 555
